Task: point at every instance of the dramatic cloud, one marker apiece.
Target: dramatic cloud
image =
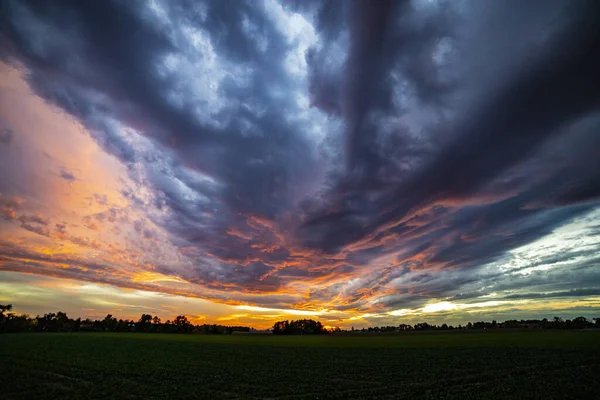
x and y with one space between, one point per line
365 157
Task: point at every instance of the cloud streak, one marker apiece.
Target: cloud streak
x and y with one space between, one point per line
351 156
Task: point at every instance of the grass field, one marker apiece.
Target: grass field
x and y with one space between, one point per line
553 364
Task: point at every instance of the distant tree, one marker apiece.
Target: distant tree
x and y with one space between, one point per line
299 327
579 323
47 323
479 325
109 323
182 324
5 308
422 326
121 326
62 322
59 321
281 328
144 323
5 317
145 318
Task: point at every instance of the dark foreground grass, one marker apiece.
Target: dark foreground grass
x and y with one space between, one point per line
139 366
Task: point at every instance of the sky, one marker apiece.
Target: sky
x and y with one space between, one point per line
358 162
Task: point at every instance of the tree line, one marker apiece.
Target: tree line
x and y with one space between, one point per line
555 323
60 322
308 327
299 327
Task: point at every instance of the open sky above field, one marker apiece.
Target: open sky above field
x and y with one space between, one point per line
241 162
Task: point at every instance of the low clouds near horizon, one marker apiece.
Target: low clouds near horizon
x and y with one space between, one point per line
360 157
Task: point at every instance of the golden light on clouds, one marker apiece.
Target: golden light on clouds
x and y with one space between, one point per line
152 277
266 178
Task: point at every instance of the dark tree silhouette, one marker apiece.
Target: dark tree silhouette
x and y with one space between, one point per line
182 324
109 323
5 317
4 308
144 324
299 327
60 322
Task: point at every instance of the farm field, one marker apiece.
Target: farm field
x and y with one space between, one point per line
549 364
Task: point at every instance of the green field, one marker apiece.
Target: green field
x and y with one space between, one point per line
552 364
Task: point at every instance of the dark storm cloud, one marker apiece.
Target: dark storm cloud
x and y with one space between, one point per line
325 80
369 25
255 169
439 136
508 125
